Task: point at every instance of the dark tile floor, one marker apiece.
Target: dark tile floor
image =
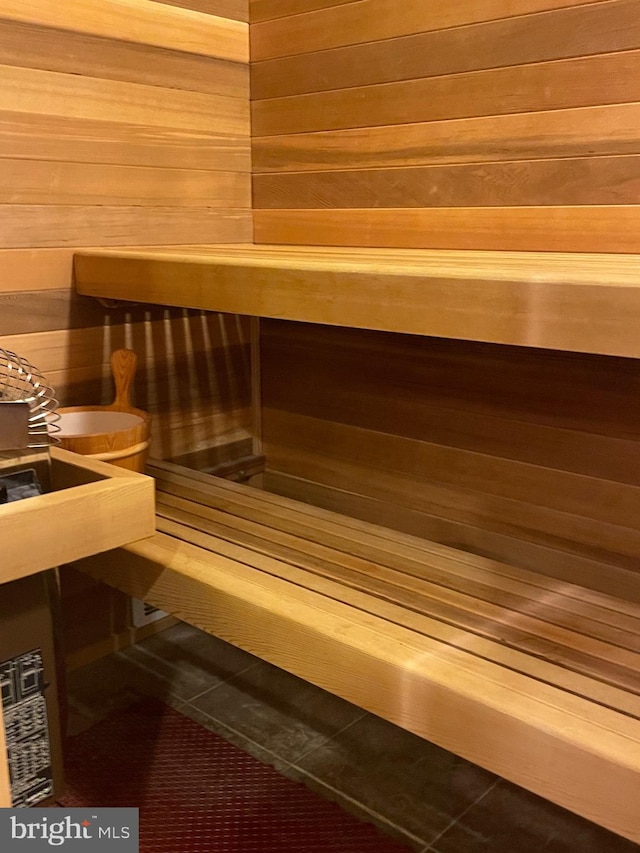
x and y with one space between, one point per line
413 790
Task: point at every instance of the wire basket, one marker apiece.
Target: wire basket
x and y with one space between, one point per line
20 381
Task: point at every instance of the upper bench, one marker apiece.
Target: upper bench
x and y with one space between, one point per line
569 301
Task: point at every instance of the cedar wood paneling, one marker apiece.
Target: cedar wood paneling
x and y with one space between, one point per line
123 122
466 126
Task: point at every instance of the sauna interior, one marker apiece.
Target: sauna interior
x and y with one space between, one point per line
380 265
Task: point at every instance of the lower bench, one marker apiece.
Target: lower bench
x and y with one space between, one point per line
534 679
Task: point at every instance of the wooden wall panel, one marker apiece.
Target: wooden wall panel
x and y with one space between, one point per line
235 9
460 438
606 130
591 81
68 183
575 31
55 225
124 122
27 90
575 181
164 26
473 125
268 10
529 229
360 96
26 45
338 24
48 138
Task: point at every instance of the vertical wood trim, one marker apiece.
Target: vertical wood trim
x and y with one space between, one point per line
256 387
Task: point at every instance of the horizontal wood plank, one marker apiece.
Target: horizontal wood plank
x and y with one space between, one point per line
516 383
160 25
46 310
28 46
558 560
580 181
35 269
353 536
611 228
374 20
582 132
28 90
47 137
562 492
489 525
50 225
36 182
491 400
267 10
236 9
582 82
561 34
523 299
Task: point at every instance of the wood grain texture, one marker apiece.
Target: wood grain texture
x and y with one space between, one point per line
28 90
521 299
576 181
36 182
158 25
46 310
582 132
560 561
238 10
28 226
46 137
251 596
474 477
94 124
164 347
611 228
458 588
35 269
373 20
561 34
500 401
267 10
585 81
69 519
25 45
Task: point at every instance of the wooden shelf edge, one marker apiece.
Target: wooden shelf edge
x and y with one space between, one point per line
95 507
574 302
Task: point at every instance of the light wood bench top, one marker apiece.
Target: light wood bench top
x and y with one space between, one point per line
535 679
569 301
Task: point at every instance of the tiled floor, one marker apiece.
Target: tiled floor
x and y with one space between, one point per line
413 790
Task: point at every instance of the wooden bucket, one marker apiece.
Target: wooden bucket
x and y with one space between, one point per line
118 433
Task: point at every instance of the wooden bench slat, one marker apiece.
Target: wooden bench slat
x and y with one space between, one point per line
362 532
446 565
512 628
425 622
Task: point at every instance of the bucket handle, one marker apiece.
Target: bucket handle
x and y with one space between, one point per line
123 367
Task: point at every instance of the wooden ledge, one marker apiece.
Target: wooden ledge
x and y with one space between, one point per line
578 302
